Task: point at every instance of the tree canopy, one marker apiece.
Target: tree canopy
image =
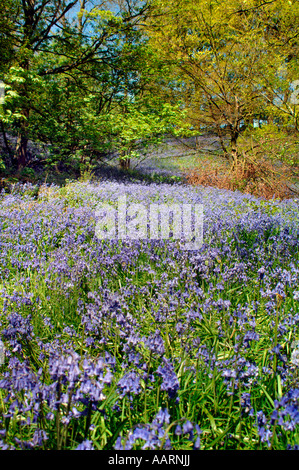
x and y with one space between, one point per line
87 76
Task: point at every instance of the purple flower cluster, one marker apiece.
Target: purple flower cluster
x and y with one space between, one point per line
287 410
88 324
170 381
155 435
285 416
69 388
129 384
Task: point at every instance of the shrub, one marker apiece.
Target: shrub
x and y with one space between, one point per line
250 175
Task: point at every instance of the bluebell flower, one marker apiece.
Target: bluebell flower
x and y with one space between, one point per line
129 384
296 295
170 381
85 445
178 430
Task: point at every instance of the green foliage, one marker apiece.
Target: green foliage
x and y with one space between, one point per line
116 77
232 62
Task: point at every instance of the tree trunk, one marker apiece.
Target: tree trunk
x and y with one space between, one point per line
29 27
269 118
22 142
7 146
22 151
80 18
234 148
124 163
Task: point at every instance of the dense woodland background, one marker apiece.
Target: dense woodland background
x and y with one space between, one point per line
89 82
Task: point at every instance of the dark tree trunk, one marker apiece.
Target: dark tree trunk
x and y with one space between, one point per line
7 146
22 142
29 27
124 159
234 149
22 151
124 163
